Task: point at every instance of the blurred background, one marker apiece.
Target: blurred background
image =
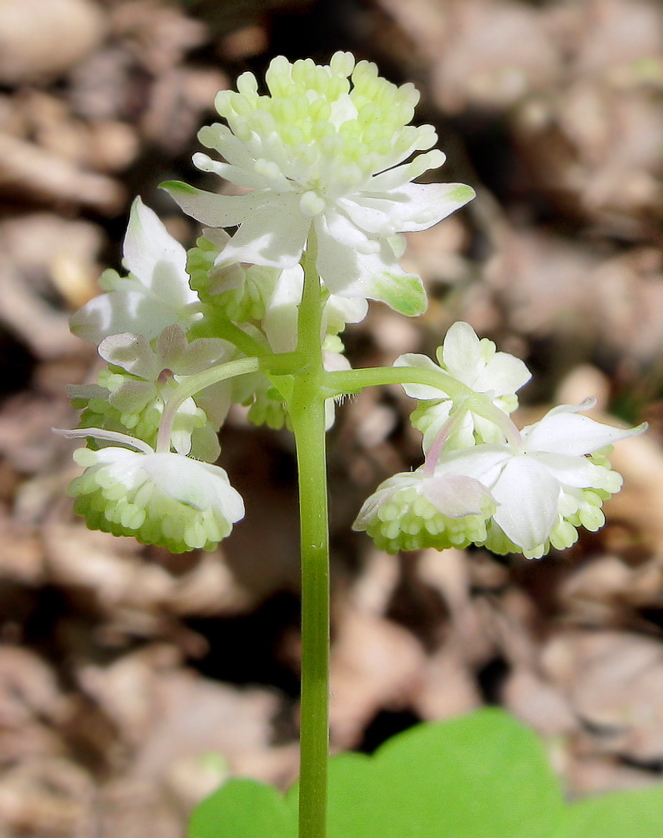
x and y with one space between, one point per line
133 682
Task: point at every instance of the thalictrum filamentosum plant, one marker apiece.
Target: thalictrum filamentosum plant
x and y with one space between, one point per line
328 160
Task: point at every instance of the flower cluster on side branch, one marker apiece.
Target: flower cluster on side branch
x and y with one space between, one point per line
483 481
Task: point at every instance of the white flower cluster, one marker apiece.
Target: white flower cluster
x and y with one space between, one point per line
326 159
328 156
483 482
324 153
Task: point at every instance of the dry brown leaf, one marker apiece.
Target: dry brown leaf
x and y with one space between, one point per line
375 665
42 40
613 682
28 171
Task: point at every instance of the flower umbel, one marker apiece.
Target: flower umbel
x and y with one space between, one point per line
163 499
477 364
552 483
417 510
324 153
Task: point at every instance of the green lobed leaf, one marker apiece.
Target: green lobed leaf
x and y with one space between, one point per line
243 809
479 776
483 775
629 814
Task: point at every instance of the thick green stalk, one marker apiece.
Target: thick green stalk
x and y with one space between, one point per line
307 411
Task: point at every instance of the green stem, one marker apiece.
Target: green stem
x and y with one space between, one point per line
307 411
193 384
352 381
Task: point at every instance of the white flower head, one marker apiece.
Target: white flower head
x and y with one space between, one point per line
324 153
477 364
144 376
546 487
164 499
156 293
412 511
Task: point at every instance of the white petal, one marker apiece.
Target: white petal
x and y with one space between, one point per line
456 495
342 227
274 235
528 497
280 321
420 391
241 177
347 310
374 275
503 374
372 215
396 177
570 433
215 210
337 263
218 136
461 352
171 346
199 355
131 352
371 505
154 256
483 462
195 484
116 312
417 206
132 396
571 470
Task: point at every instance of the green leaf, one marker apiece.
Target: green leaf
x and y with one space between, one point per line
636 814
480 776
243 809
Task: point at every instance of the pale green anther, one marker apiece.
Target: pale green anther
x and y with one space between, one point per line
389 512
292 134
342 64
592 498
297 72
279 71
410 94
429 160
338 87
241 105
350 131
426 136
208 135
563 535
591 518
404 112
311 204
267 168
263 122
240 129
320 110
284 110
247 84
84 457
363 73
222 102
